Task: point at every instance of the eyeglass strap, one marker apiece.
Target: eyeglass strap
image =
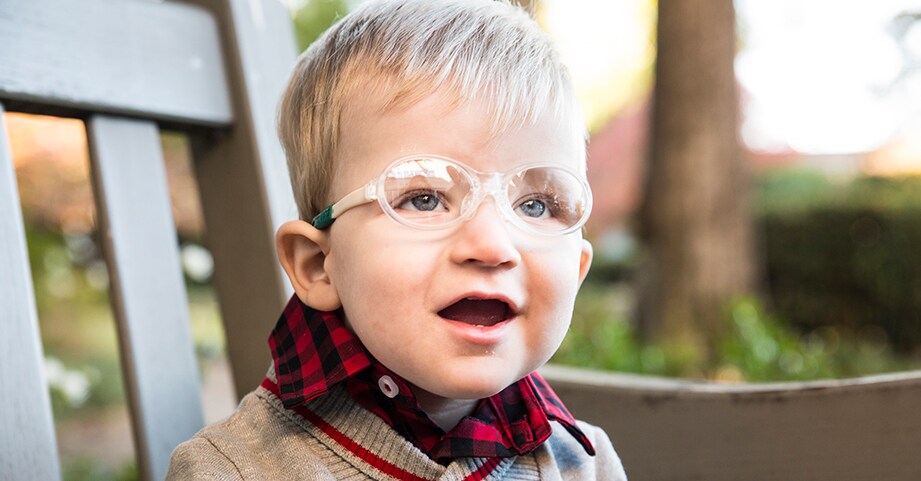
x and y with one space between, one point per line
355 198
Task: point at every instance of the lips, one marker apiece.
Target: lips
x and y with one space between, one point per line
478 312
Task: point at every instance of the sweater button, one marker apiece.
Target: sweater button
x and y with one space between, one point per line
388 387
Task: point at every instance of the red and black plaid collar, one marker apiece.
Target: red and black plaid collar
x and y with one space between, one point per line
314 351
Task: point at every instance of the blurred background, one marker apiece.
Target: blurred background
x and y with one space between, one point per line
757 206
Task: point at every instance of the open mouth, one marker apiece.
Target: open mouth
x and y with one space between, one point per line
478 312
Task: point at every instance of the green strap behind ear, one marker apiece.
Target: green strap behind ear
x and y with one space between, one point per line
323 219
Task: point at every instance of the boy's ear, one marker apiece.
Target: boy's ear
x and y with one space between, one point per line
302 250
585 260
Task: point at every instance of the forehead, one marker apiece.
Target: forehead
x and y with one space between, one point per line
372 135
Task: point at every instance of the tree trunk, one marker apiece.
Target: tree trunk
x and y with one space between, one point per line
695 220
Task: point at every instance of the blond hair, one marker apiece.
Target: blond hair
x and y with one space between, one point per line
407 50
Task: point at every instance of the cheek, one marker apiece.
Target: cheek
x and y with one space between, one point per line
377 281
558 278
556 287
355 265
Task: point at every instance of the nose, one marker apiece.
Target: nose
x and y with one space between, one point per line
485 239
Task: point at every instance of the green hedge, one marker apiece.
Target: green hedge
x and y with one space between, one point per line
846 255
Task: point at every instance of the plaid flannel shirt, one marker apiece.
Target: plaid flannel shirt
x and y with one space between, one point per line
314 351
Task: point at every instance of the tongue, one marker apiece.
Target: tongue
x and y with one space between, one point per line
479 312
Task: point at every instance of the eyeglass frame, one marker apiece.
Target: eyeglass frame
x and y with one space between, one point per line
495 183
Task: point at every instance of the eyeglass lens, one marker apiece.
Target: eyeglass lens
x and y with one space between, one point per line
429 192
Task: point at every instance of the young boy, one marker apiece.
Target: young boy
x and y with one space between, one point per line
438 160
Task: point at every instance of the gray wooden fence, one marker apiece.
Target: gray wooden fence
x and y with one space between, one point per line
665 429
212 69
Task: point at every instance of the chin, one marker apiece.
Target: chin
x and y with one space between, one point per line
477 388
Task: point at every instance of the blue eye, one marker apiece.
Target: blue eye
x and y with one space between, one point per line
532 208
421 200
424 202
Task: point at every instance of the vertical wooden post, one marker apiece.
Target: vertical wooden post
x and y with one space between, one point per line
244 185
27 442
148 295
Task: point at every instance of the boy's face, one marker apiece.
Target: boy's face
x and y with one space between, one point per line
400 287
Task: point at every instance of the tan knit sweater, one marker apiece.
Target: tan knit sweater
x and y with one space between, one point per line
264 441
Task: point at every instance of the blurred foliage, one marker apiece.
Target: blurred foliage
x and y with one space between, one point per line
846 254
792 190
89 469
763 347
311 20
758 347
77 327
844 272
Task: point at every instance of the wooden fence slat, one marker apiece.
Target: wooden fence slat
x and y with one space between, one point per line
160 60
250 163
147 287
853 429
27 441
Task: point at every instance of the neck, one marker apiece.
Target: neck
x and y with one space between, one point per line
444 412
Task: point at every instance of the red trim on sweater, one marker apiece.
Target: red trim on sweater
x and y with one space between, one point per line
374 460
484 471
